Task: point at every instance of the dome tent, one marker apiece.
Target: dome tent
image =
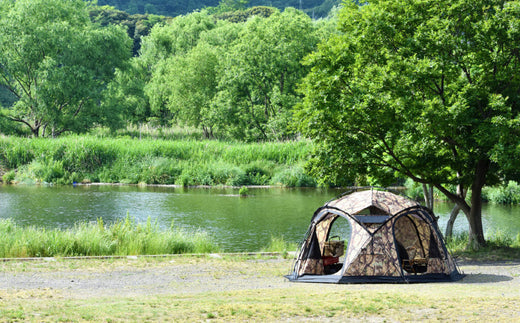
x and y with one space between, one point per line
392 239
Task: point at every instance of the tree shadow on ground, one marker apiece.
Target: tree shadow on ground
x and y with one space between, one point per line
485 278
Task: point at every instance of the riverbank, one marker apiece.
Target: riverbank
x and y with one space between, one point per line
92 159
238 288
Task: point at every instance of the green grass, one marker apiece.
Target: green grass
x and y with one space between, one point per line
499 246
279 244
124 237
153 161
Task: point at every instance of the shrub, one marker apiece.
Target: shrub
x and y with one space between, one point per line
509 194
243 191
293 177
9 176
126 160
414 190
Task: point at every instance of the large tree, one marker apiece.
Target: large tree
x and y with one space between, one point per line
57 63
259 74
425 89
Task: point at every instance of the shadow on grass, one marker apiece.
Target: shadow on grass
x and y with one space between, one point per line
485 278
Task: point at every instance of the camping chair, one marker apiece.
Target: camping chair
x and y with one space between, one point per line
413 265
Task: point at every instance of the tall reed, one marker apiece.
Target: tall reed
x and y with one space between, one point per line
124 237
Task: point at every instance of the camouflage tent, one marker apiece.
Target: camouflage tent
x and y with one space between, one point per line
392 239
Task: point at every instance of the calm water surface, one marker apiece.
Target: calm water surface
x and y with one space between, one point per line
237 224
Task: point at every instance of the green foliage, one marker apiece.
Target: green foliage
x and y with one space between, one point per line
57 63
410 87
505 194
121 238
260 74
9 177
242 15
234 80
314 8
136 25
499 246
243 191
414 190
161 7
293 177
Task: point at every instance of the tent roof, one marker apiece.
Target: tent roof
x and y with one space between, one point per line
385 201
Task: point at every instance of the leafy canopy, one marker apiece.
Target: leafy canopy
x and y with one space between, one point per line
423 88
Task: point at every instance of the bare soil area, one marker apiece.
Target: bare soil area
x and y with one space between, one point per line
179 275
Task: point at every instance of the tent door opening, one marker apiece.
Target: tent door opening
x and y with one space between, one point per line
333 251
411 248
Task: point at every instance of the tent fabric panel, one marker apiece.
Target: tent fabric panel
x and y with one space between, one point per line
311 262
436 265
367 264
388 202
311 266
408 238
358 238
376 257
425 234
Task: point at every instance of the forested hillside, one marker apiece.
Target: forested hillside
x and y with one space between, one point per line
172 8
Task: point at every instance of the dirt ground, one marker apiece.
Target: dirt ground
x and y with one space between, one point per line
126 277
496 285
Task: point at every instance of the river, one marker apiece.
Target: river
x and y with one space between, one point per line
236 223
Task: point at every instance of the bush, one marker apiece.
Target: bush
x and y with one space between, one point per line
258 173
185 162
44 170
509 194
414 190
9 176
293 177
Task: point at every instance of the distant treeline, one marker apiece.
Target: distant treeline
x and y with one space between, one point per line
172 8
231 72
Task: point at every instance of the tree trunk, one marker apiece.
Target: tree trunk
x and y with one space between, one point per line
428 195
455 212
476 231
474 212
35 131
449 226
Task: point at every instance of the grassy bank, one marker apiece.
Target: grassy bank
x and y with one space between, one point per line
121 238
153 161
